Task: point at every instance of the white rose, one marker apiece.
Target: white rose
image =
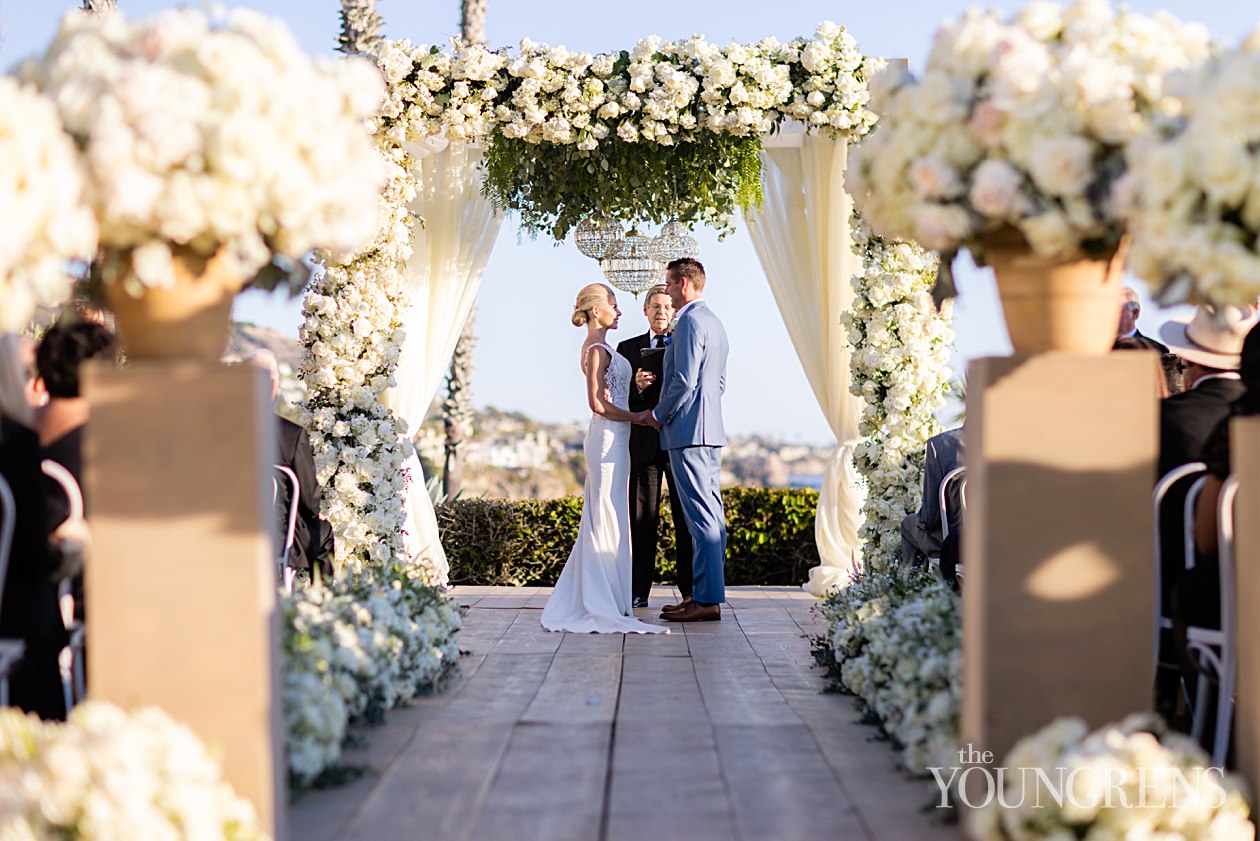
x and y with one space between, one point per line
940 227
1062 165
1049 234
994 188
932 178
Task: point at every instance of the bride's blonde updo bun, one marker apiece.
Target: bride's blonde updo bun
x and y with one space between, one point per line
592 295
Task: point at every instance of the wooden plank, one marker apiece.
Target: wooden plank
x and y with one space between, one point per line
550 785
667 783
660 690
742 693
436 788
501 690
578 689
592 643
781 787
526 635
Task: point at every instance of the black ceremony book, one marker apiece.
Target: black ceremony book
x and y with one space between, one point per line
652 359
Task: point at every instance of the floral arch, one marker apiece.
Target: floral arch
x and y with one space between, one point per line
556 136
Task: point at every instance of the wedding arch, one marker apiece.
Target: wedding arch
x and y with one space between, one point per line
668 131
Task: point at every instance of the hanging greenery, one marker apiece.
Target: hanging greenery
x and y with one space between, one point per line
553 187
665 131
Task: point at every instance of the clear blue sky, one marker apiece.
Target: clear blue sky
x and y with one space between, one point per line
529 286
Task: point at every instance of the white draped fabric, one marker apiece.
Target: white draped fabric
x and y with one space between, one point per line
802 239
443 274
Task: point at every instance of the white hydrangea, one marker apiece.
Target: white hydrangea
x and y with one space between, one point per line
1052 94
43 220
168 113
1194 189
1131 779
366 644
109 773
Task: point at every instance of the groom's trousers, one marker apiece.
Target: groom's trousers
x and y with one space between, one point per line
646 479
697 475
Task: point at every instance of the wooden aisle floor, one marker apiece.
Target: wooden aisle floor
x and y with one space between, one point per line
718 730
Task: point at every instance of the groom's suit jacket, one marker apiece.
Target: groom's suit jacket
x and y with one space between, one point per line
690 407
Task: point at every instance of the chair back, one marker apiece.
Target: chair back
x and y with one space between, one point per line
1229 618
58 472
291 523
1173 508
958 477
8 521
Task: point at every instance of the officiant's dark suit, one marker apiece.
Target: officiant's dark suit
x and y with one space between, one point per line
649 465
312 541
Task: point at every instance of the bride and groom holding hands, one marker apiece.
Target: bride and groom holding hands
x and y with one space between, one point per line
594 592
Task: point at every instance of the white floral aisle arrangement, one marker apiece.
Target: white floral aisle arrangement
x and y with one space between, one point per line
1192 181
1131 780
214 134
900 368
893 635
110 774
1019 127
355 650
43 221
552 120
894 640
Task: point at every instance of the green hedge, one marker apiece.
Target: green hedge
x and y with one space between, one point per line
770 538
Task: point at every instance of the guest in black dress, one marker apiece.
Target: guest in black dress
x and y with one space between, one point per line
28 610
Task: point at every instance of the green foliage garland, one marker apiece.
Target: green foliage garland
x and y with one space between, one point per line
553 187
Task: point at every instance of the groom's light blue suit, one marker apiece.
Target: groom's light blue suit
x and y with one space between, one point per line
690 413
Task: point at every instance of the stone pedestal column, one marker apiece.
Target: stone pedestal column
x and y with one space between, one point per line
181 588
1244 445
1058 604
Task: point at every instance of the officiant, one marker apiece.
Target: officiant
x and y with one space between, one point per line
649 464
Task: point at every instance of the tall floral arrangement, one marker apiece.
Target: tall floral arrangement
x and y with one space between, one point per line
108 773
352 338
168 112
1193 182
901 346
1019 126
665 130
43 221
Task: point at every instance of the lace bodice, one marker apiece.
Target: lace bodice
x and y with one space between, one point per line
617 378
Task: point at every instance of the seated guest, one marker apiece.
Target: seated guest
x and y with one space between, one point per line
1210 343
921 532
60 423
1130 309
1170 365
313 539
29 610
1196 593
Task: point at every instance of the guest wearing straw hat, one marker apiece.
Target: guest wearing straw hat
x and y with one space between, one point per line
1210 341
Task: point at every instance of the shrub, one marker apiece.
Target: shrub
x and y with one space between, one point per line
770 538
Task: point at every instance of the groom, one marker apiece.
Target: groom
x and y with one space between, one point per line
689 416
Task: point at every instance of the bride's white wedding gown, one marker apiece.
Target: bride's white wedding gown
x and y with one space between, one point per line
593 593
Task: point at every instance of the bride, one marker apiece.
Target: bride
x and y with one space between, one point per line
593 593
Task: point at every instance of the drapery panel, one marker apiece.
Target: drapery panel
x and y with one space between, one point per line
801 236
452 247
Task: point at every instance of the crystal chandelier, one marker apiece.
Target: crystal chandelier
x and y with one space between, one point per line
598 236
674 243
631 267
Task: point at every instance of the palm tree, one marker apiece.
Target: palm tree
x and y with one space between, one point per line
360 27
457 407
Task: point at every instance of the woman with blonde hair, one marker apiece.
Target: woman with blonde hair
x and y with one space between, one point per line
593 593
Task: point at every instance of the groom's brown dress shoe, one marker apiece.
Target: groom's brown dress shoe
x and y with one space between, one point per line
670 608
695 612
